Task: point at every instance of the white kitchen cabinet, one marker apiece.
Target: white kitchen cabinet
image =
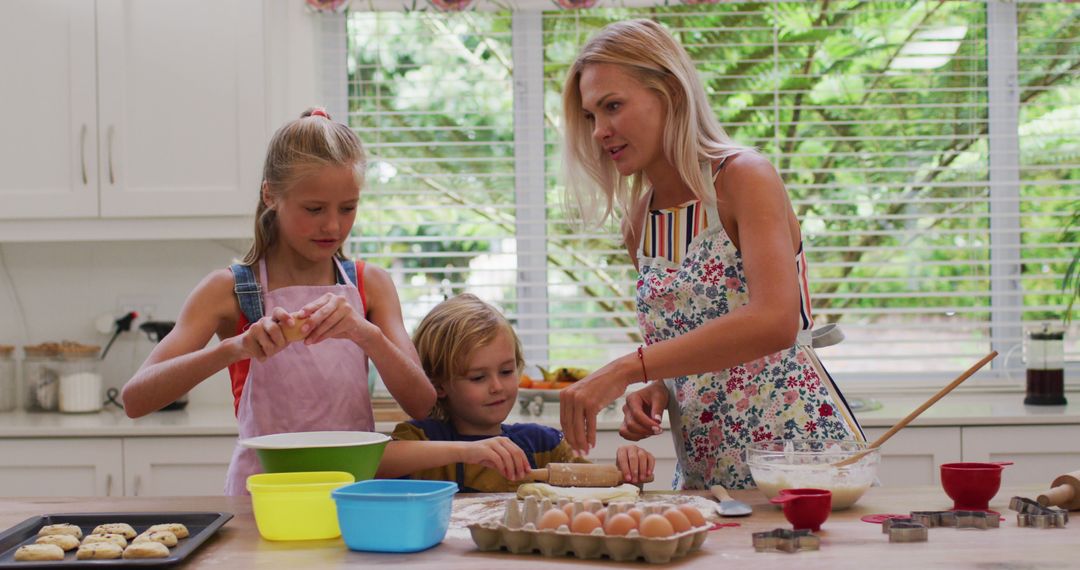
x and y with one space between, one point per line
48 95
68 467
176 466
128 109
1039 453
913 455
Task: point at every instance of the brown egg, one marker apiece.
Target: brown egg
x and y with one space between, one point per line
568 508
620 524
656 526
678 520
636 513
552 519
584 523
693 515
602 515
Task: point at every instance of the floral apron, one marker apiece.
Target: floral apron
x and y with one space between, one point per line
717 415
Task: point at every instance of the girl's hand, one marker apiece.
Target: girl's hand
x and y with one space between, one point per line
580 402
643 411
331 316
266 337
635 463
500 454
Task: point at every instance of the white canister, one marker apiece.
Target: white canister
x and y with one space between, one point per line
80 381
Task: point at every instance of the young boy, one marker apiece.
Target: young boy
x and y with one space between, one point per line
473 357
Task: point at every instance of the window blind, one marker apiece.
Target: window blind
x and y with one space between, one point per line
877 114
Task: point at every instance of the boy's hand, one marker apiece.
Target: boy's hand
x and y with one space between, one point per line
498 453
635 463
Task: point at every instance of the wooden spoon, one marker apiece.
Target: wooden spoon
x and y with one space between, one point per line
933 399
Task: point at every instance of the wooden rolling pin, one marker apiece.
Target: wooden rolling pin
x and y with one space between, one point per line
1064 492
579 475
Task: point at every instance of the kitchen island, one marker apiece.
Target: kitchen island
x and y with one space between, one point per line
846 542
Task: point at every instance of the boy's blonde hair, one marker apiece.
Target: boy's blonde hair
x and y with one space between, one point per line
299 149
449 335
692 138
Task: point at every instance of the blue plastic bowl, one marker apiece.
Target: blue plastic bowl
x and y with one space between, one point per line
394 515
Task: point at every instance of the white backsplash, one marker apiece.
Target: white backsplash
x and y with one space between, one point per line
54 291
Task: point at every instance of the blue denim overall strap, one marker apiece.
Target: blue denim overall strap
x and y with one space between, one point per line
249 294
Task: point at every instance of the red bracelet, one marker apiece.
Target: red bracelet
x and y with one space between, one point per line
641 357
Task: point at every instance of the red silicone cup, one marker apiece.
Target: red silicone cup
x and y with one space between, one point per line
805 508
972 485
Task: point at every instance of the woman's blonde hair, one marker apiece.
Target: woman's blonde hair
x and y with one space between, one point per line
692 137
449 335
299 149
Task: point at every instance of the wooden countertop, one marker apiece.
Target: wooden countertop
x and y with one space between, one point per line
846 541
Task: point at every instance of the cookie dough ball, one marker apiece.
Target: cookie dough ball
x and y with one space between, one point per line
176 528
61 529
64 541
146 550
113 538
36 552
122 529
99 551
163 536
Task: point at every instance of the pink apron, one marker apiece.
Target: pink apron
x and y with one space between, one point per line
321 387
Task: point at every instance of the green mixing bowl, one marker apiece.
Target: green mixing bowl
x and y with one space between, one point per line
356 452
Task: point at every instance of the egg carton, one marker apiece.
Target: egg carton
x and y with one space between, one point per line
517 532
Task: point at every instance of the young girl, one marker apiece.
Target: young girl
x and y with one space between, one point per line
474 359
294 283
722 296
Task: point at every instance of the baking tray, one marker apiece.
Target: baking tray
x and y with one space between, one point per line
200 525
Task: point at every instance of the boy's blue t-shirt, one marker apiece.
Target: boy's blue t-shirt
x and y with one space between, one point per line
541 444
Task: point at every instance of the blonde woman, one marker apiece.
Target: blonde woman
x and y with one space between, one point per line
297 319
722 296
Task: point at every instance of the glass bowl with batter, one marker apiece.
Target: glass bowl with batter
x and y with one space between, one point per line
808 463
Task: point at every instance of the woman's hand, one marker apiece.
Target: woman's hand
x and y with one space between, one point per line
635 463
266 337
581 401
500 454
643 411
332 316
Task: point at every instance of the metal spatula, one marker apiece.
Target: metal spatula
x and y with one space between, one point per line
729 507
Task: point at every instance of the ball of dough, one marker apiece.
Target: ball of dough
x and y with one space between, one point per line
99 551
34 552
176 528
113 538
61 529
146 550
122 529
163 536
64 541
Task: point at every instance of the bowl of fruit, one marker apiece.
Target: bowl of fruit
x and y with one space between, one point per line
539 385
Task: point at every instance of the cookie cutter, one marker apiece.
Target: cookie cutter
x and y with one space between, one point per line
888 523
786 540
934 519
906 531
981 520
1031 514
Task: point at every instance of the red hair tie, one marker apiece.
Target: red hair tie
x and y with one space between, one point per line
320 112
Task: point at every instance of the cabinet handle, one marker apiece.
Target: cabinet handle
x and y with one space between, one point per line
82 153
109 137
108 485
138 483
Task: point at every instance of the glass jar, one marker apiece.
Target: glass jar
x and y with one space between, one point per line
80 380
41 377
7 378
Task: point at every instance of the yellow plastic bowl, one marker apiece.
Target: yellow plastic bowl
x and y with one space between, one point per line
296 506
